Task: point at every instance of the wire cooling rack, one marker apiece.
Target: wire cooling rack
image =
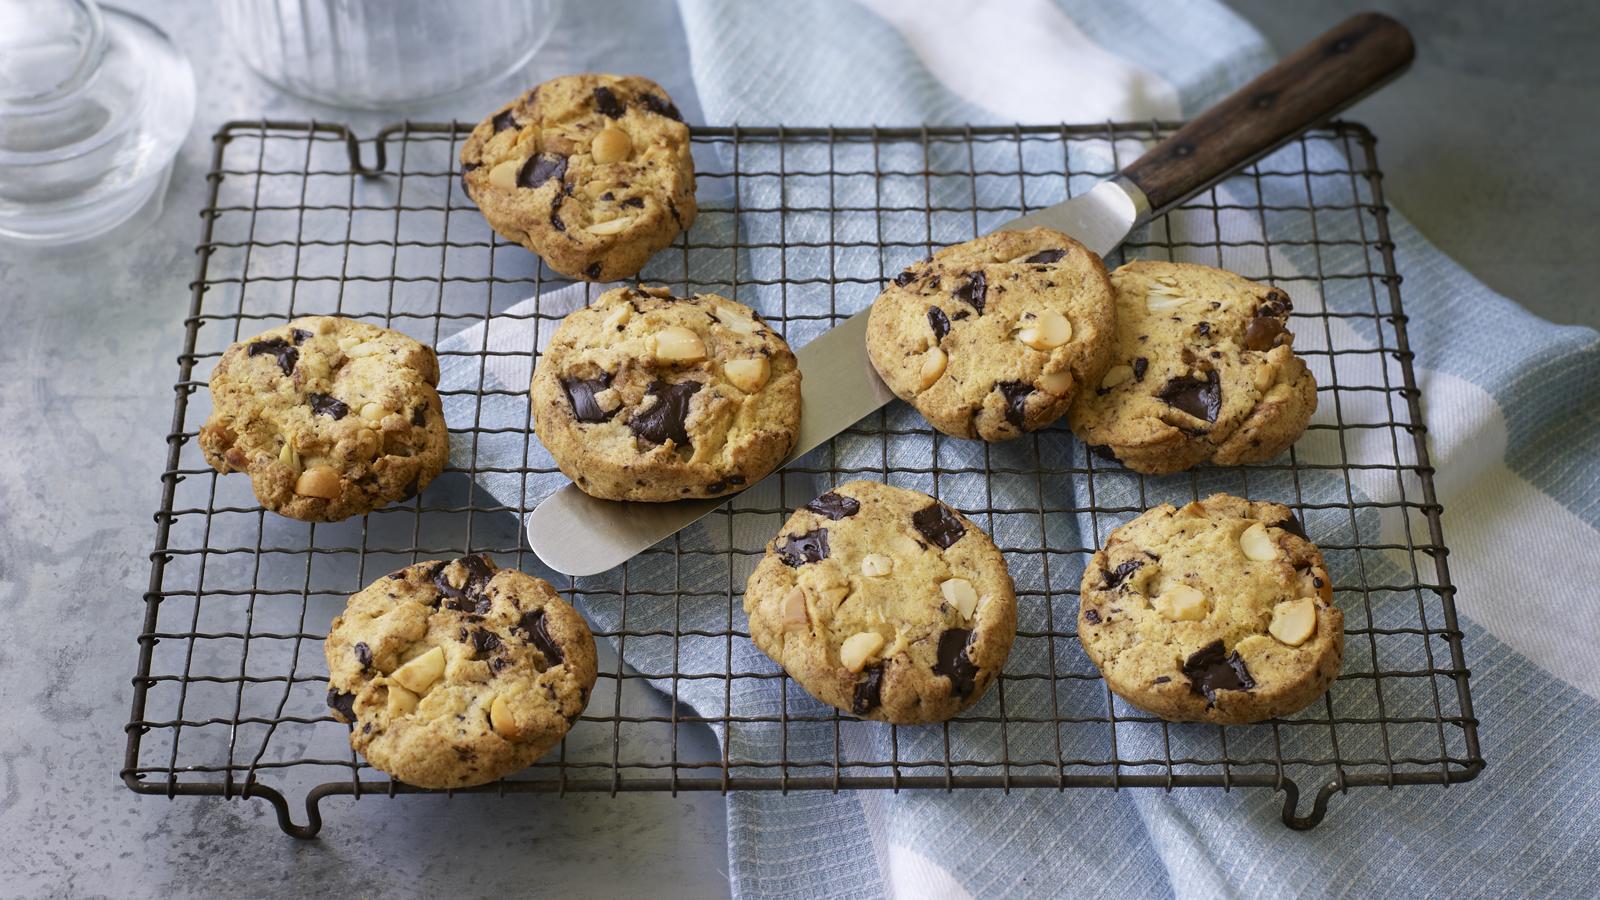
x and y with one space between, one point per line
803 224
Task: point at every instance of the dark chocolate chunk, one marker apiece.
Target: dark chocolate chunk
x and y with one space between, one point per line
580 393
661 106
541 167
1317 582
419 415
1201 399
1203 329
666 418
299 336
606 103
1262 333
593 271
1276 303
324 405
805 548
484 642
939 322
905 278
1114 579
363 654
534 626
939 525
835 506
635 202
1140 365
470 597
278 347
1104 452
1092 616
974 292
1016 394
1293 526
343 703
498 664
1162 679
869 691
954 663
1210 669
465 168
1046 256
505 120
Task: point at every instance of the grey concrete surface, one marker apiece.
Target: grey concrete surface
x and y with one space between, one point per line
1485 144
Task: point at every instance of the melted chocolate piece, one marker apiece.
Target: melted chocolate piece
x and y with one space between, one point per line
538 632
580 393
1201 399
635 202
661 106
1293 526
1162 680
835 506
484 642
342 702
666 418
606 103
419 415
1104 452
1210 670
954 663
299 336
805 548
905 278
869 691
465 168
363 654
1092 616
1115 578
278 347
1016 394
1046 256
1203 329
498 664
541 167
1262 333
974 292
1140 365
505 120
324 405
470 597
593 271
939 525
939 322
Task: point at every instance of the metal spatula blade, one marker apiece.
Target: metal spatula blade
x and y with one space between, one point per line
576 534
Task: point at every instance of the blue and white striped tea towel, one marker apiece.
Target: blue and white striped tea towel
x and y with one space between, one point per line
1512 404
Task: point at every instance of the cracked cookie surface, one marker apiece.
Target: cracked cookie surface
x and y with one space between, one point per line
1204 370
591 172
647 396
885 603
455 673
1221 611
329 416
996 336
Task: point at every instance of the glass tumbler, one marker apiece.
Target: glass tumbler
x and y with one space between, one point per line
376 54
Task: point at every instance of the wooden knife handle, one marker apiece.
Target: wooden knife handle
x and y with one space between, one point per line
1327 75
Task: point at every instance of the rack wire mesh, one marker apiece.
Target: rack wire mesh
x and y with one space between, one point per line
804 225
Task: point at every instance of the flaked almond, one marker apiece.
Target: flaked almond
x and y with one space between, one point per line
748 375
419 674
1116 375
1294 621
619 317
961 595
676 344
611 226
1158 303
401 701
1182 603
289 456
502 719
876 565
1263 376
1257 544
794 608
933 364
1045 331
740 322
857 649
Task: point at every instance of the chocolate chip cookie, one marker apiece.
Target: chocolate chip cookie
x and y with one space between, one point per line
647 396
591 172
455 673
884 603
1204 370
1221 611
996 336
330 417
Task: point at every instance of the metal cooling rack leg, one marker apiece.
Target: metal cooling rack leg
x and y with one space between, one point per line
1319 806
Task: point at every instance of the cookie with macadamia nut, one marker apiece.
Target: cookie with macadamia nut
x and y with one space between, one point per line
995 337
591 172
329 416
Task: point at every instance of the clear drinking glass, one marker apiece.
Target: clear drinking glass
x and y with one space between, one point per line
374 54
